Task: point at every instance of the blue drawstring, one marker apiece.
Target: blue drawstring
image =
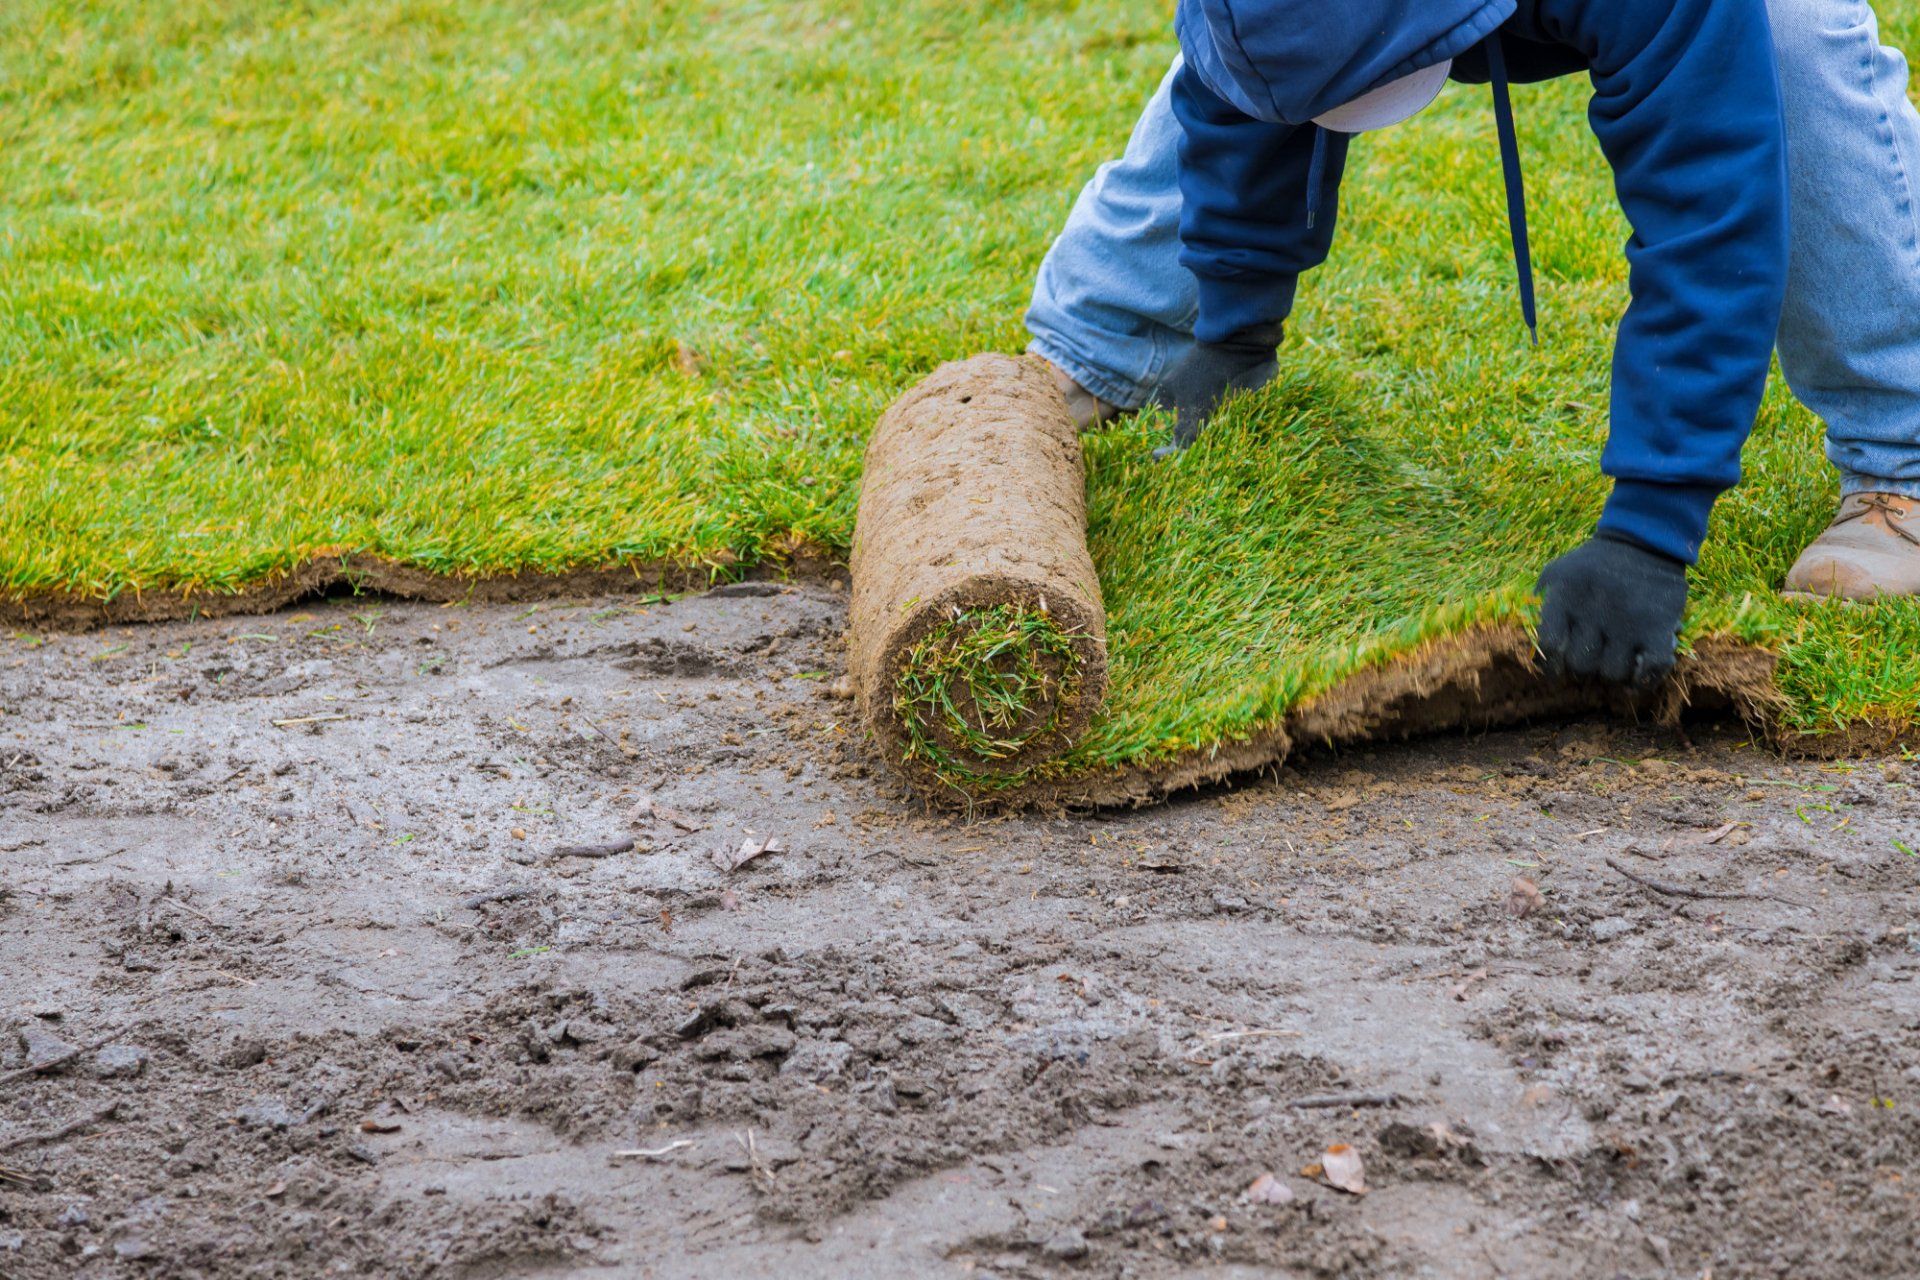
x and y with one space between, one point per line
1316 173
1510 172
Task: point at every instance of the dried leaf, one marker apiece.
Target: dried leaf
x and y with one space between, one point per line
1523 898
675 817
647 811
1342 1169
747 852
1267 1189
687 358
1719 833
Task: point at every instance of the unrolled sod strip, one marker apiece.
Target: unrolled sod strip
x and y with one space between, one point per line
978 635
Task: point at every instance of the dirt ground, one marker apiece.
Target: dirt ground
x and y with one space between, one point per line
297 888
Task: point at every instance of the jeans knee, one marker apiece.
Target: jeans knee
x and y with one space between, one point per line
1822 43
1799 26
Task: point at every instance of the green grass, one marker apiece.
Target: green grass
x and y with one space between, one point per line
481 285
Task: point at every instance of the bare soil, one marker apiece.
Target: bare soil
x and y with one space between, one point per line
307 892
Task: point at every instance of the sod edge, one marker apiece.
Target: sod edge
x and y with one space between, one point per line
1479 678
366 573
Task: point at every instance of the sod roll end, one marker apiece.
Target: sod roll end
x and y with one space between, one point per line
978 646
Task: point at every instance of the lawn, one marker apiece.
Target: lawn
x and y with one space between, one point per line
486 286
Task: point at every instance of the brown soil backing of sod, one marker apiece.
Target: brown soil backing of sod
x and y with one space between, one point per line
973 496
376 575
1481 679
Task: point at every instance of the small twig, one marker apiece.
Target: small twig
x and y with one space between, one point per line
19 1179
592 850
653 1153
1242 1035
1672 890
912 862
28 1072
623 751
308 720
172 901
758 1166
508 894
66 1130
1317 1100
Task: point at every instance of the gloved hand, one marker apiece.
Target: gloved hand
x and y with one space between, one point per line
1611 609
1210 373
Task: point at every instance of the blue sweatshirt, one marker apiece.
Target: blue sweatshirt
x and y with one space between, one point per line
1686 108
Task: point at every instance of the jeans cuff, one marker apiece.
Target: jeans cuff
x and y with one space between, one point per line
1117 392
1851 484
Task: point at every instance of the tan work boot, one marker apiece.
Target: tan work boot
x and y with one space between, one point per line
1088 410
1871 549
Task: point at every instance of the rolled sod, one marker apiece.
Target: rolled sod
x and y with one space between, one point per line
978 635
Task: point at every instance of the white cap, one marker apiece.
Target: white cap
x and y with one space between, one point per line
1390 103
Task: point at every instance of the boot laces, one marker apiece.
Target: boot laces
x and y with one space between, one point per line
1889 509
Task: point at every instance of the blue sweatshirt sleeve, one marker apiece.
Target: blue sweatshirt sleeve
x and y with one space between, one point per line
1243 214
1686 108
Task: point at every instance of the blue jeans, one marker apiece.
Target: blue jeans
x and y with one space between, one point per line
1114 308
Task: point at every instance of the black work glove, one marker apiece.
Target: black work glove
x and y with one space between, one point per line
1611 609
1210 373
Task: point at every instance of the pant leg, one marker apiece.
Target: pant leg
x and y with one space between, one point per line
1112 306
1849 338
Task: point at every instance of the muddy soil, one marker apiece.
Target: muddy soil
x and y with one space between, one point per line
315 897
